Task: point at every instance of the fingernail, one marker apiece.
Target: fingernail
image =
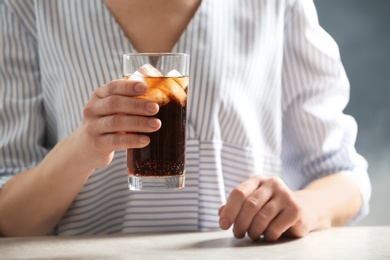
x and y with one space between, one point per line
144 140
153 122
152 107
223 223
140 87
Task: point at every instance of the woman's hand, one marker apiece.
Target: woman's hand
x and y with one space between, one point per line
34 201
112 119
265 206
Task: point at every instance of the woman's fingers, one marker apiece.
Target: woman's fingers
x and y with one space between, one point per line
283 221
120 96
235 201
253 206
119 141
287 212
113 108
114 117
119 131
126 124
260 206
262 220
120 105
121 87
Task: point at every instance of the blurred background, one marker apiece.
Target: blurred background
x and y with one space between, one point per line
362 30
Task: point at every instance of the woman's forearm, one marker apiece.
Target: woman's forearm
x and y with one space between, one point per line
33 201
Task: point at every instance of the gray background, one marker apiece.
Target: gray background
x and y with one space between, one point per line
362 30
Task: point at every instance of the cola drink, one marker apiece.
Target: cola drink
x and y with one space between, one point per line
164 156
161 164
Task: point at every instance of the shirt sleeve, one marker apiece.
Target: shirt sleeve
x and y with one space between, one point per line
318 138
22 124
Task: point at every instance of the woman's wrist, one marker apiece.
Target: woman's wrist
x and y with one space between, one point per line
330 201
315 214
71 155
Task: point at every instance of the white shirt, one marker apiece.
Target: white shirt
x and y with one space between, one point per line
266 95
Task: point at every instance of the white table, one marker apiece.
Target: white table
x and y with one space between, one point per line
335 243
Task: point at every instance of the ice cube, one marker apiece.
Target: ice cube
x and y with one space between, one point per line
156 95
178 77
173 73
152 93
174 90
136 76
170 87
149 71
146 70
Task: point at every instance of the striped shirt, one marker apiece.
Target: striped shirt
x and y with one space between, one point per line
266 95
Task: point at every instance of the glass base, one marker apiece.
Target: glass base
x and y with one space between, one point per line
140 183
